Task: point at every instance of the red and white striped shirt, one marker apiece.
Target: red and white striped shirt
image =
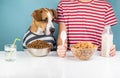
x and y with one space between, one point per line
85 21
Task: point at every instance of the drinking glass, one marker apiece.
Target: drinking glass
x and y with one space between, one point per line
10 52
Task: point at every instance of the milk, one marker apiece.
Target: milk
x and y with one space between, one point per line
107 41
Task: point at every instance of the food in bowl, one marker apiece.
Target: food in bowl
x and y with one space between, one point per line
38 48
39 44
83 50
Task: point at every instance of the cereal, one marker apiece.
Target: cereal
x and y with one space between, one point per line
83 50
84 45
39 44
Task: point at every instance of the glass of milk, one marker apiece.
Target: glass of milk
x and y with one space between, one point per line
10 52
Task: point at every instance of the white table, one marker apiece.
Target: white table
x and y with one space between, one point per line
52 66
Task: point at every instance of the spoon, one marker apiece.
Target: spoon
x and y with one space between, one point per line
63 36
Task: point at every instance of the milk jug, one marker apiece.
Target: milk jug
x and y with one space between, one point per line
107 41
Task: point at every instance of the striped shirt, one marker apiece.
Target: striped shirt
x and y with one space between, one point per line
29 37
85 21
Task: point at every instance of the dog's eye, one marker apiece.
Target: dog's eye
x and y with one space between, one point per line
45 20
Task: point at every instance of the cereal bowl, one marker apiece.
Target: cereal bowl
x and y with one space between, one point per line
38 48
83 52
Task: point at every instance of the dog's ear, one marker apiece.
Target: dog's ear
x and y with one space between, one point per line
37 15
54 13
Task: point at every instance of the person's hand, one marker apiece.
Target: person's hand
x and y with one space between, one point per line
112 51
61 50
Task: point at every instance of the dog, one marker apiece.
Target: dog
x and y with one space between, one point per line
42 27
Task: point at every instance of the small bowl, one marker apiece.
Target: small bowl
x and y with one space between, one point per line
38 52
83 54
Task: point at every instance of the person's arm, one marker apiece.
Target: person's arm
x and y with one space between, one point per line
61 27
61 49
110 19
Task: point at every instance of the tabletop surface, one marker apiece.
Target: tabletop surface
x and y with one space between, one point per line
52 66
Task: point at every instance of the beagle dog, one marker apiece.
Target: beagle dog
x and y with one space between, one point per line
42 27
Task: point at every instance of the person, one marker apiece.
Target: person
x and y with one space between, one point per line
83 20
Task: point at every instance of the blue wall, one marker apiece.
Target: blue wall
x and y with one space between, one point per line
15 18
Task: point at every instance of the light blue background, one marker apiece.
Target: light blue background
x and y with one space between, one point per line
15 19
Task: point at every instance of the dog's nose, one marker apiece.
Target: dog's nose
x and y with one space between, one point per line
52 30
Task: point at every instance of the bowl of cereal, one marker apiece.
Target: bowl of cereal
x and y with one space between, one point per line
38 48
83 50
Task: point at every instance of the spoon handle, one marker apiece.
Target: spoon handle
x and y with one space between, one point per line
63 42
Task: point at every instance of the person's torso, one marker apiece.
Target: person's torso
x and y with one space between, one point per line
84 21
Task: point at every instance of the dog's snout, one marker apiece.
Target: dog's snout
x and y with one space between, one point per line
52 30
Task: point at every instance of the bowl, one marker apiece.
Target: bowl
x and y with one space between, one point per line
83 54
83 50
38 52
38 48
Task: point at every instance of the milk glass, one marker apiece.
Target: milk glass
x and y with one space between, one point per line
10 52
